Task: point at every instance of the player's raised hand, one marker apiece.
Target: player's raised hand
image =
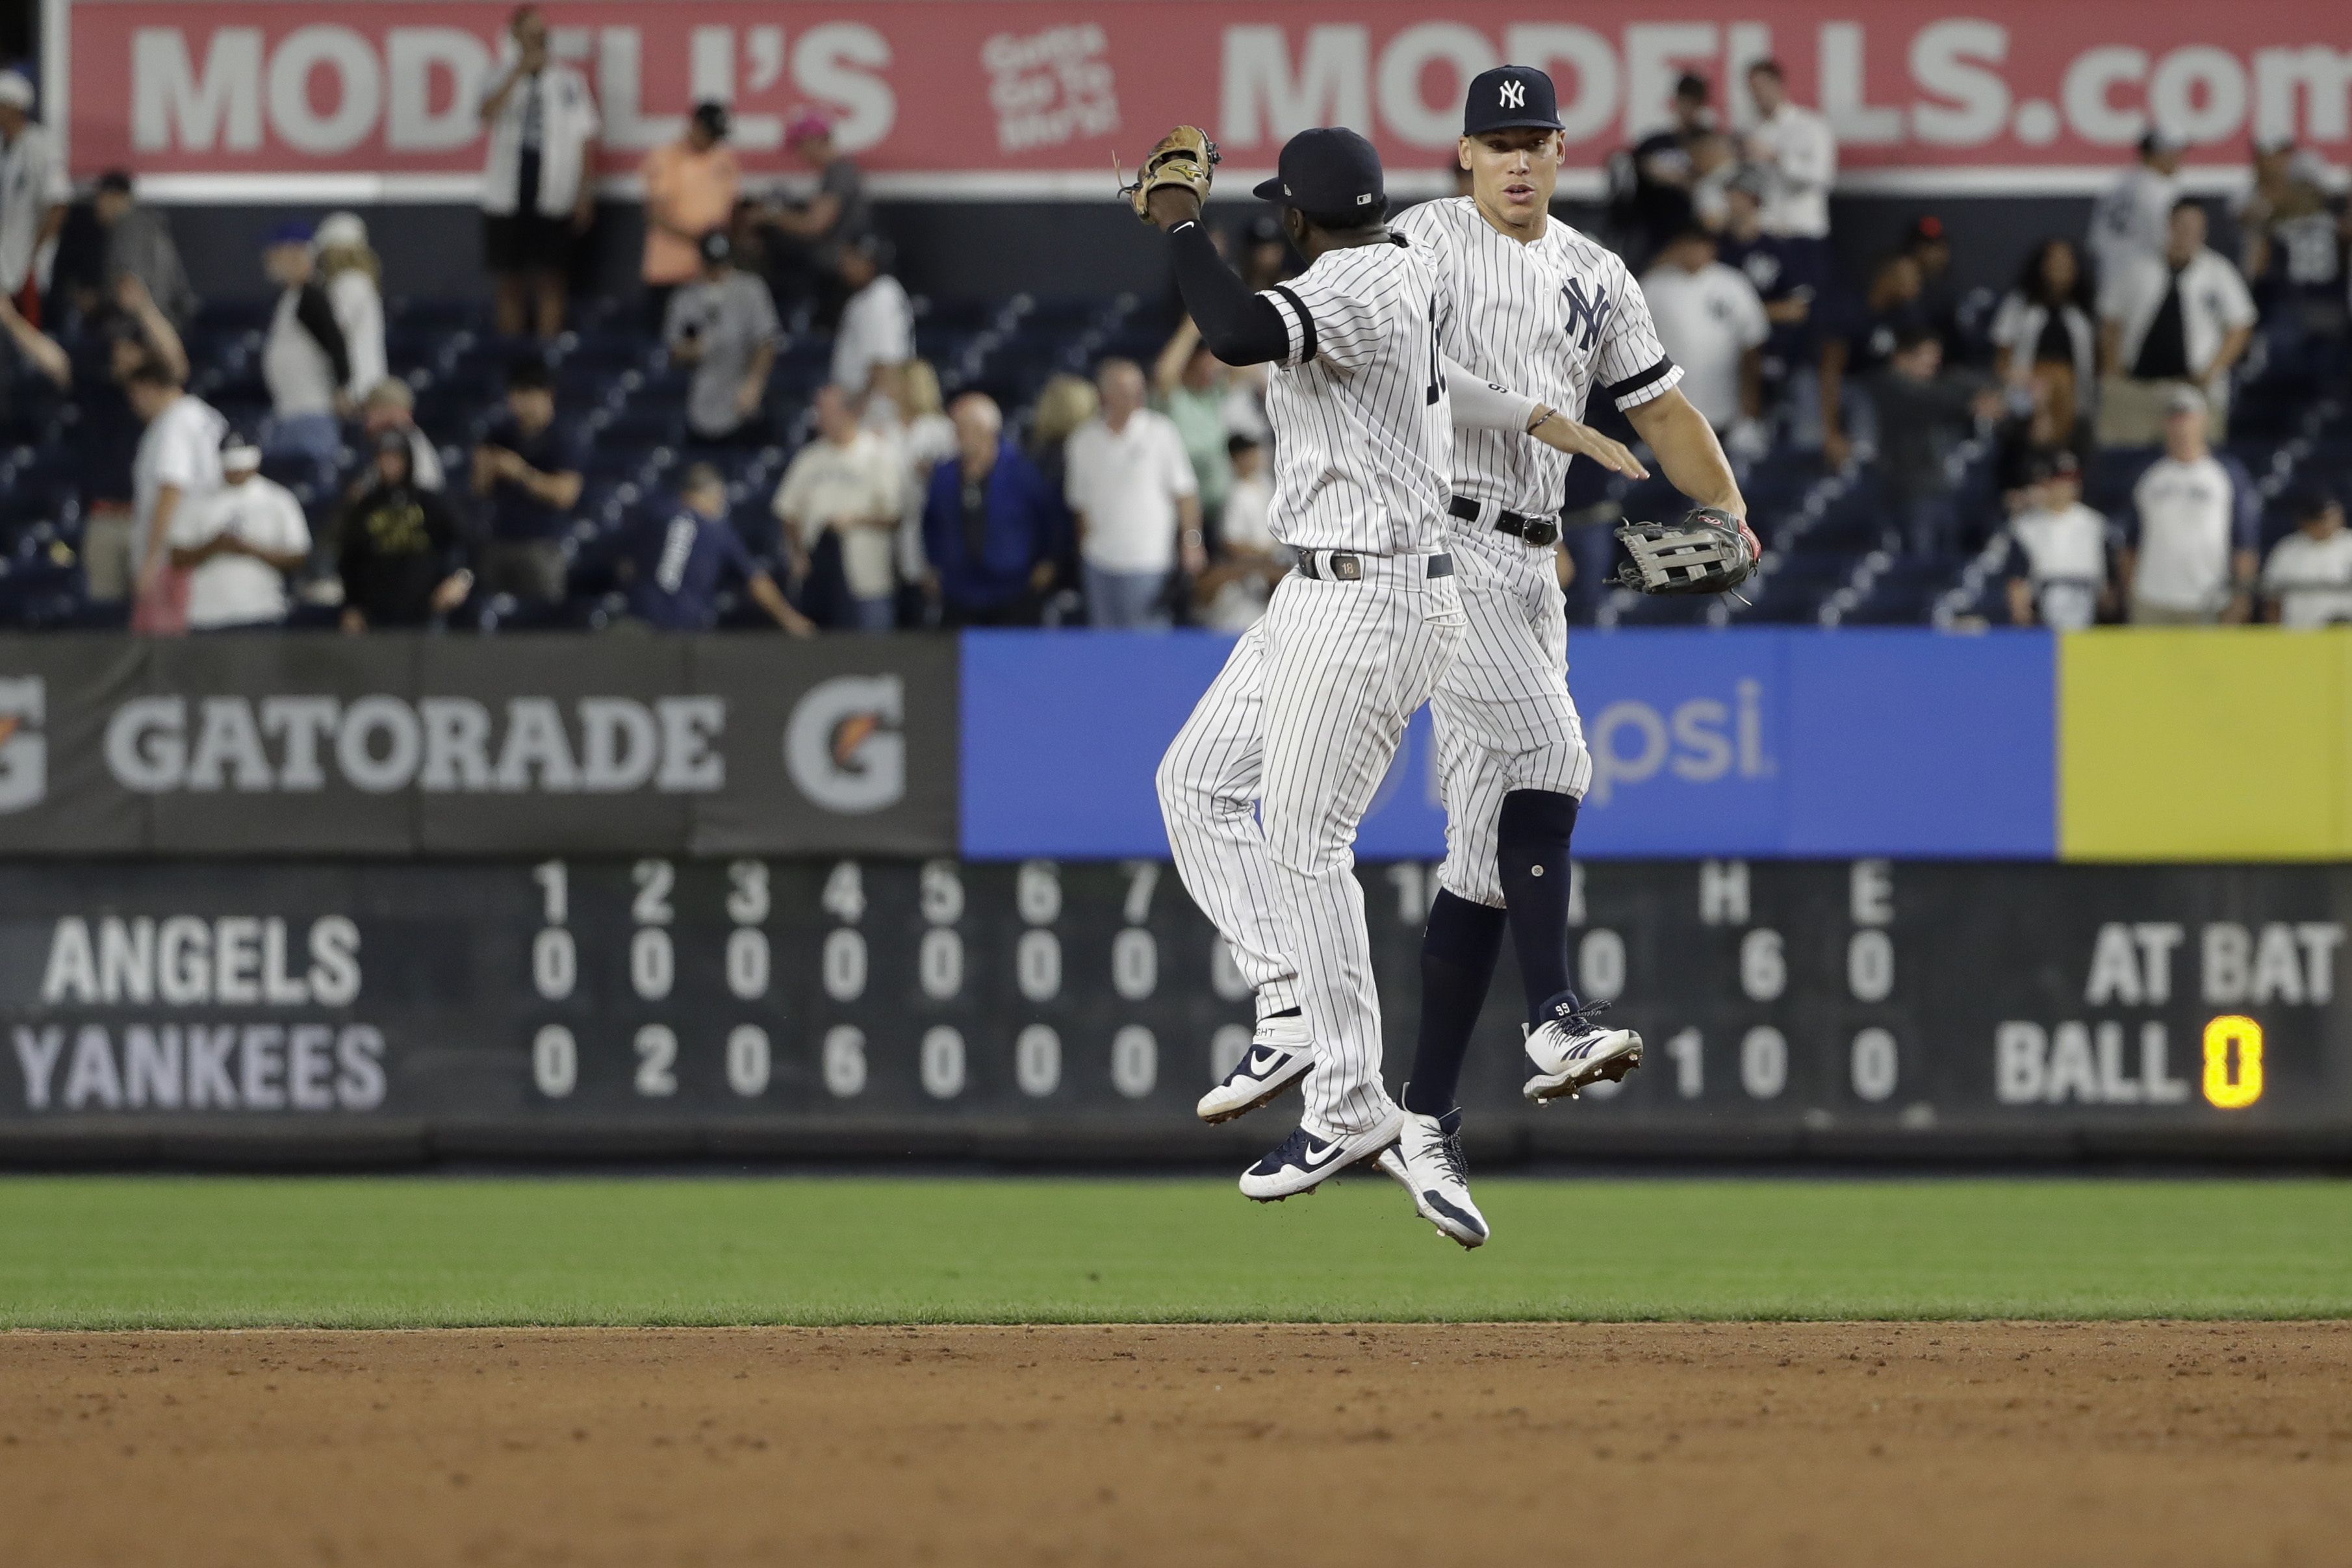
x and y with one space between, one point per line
1173 183
1562 433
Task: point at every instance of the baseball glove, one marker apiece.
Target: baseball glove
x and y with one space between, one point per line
1185 157
1706 552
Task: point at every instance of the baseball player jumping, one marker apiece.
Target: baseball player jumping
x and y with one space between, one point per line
1531 302
1264 786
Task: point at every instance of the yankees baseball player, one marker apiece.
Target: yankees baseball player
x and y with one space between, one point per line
1531 303
1264 786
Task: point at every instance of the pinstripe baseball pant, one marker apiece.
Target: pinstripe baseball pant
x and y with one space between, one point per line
1302 723
1503 716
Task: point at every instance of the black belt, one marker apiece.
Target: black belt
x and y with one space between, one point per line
1347 566
1541 532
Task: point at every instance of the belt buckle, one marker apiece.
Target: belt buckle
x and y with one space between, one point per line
1347 567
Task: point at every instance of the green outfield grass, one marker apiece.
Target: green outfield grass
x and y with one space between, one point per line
123 1252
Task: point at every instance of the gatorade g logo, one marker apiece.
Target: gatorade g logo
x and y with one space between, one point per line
24 749
842 746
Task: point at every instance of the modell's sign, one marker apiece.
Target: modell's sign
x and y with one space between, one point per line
398 746
1034 97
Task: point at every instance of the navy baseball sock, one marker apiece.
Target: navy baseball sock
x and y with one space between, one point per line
1532 854
1458 954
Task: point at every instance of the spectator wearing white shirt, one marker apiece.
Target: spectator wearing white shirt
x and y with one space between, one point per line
846 484
34 191
353 277
2182 317
2057 550
877 337
2307 581
2191 561
1712 323
1799 155
2044 329
2132 216
539 196
178 464
1232 593
237 544
306 361
1132 492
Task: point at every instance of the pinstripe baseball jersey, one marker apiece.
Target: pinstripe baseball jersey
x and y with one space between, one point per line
1553 319
1363 429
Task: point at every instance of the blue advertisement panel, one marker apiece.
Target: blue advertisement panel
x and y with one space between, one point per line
1752 742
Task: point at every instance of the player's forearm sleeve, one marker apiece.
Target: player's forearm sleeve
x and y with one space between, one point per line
1482 405
1239 327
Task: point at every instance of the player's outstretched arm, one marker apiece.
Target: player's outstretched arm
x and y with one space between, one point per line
1487 405
1688 451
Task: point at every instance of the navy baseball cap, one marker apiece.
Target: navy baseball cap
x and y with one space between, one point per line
1510 96
1329 171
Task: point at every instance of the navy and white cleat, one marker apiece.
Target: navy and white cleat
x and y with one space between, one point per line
1302 1162
1569 1051
1279 1054
1427 1162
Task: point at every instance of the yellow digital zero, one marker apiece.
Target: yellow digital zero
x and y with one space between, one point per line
2227 1036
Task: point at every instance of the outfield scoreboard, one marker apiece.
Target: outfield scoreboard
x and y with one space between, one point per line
879 1009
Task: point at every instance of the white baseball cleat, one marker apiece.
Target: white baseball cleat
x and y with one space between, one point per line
1302 1162
1279 1054
1569 1051
1427 1162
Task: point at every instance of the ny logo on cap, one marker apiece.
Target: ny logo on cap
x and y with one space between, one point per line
1515 95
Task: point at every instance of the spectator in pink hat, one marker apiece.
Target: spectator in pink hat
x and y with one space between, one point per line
809 237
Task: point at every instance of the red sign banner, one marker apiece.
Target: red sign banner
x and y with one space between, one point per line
1034 97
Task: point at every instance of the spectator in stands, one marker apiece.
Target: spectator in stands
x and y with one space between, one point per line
1924 410
840 505
1856 349
926 439
1927 244
690 188
539 192
1712 323
177 465
724 325
400 554
138 244
2292 242
34 191
305 361
391 405
528 469
1232 593
672 565
1265 253
2307 581
353 277
1658 206
1189 385
2043 330
877 329
992 525
2133 217
1063 404
2190 559
108 431
1762 258
237 544
2181 316
2057 550
1798 156
1135 503
805 260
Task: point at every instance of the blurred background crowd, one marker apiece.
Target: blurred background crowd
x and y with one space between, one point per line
771 430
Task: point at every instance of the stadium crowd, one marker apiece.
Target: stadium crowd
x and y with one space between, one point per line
2146 427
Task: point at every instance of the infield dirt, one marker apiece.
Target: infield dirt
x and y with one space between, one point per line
1815 1444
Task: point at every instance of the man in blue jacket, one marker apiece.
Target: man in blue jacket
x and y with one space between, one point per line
992 525
673 566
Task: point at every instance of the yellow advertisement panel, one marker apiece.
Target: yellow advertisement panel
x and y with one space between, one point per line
2197 744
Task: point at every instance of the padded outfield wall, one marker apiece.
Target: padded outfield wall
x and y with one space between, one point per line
1886 894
